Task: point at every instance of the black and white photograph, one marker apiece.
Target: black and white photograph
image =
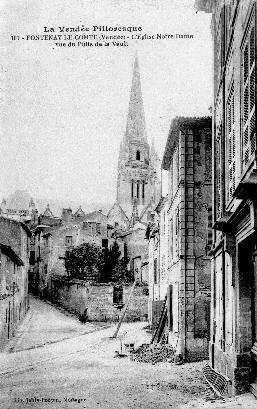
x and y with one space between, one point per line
128 204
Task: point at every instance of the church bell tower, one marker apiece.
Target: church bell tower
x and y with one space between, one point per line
136 182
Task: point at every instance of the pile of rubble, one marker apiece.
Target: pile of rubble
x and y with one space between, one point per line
153 353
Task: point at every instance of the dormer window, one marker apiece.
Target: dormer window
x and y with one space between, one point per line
138 155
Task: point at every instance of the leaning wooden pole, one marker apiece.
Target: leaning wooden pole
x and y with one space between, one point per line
125 309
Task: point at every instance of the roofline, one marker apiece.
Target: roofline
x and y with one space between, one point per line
181 124
26 228
11 254
23 225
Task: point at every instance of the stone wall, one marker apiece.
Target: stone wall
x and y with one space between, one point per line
77 296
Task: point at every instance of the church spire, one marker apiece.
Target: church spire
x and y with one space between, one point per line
136 127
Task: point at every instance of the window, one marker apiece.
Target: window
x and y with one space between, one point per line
138 155
177 232
175 172
68 240
138 184
132 188
105 243
248 95
231 149
155 266
143 189
125 251
209 230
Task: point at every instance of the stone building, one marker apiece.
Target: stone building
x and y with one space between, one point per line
179 265
53 237
138 181
233 345
14 267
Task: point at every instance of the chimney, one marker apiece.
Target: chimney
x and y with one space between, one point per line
66 215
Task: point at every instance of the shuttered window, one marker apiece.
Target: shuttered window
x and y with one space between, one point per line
218 171
218 157
249 95
171 239
231 150
177 233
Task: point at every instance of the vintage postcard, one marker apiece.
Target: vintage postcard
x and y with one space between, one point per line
128 204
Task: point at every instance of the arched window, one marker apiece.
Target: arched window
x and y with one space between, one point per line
138 155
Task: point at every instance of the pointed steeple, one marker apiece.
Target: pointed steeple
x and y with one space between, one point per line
136 127
79 212
48 212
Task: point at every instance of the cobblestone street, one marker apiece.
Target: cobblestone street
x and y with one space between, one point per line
59 363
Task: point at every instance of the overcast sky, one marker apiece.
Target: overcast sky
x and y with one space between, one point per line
64 109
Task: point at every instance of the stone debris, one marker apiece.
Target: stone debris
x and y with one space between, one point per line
153 353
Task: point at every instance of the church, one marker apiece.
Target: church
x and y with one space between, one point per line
138 182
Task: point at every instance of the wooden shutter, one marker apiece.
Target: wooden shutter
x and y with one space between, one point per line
249 95
231 150
171 239
218 157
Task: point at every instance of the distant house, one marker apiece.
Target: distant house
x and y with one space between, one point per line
52 240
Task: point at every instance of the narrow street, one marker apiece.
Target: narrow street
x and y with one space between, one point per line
57 362
45 324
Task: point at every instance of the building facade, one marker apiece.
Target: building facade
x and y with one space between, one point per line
179 264
14 268
233 345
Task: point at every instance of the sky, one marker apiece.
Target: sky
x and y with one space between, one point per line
63 109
